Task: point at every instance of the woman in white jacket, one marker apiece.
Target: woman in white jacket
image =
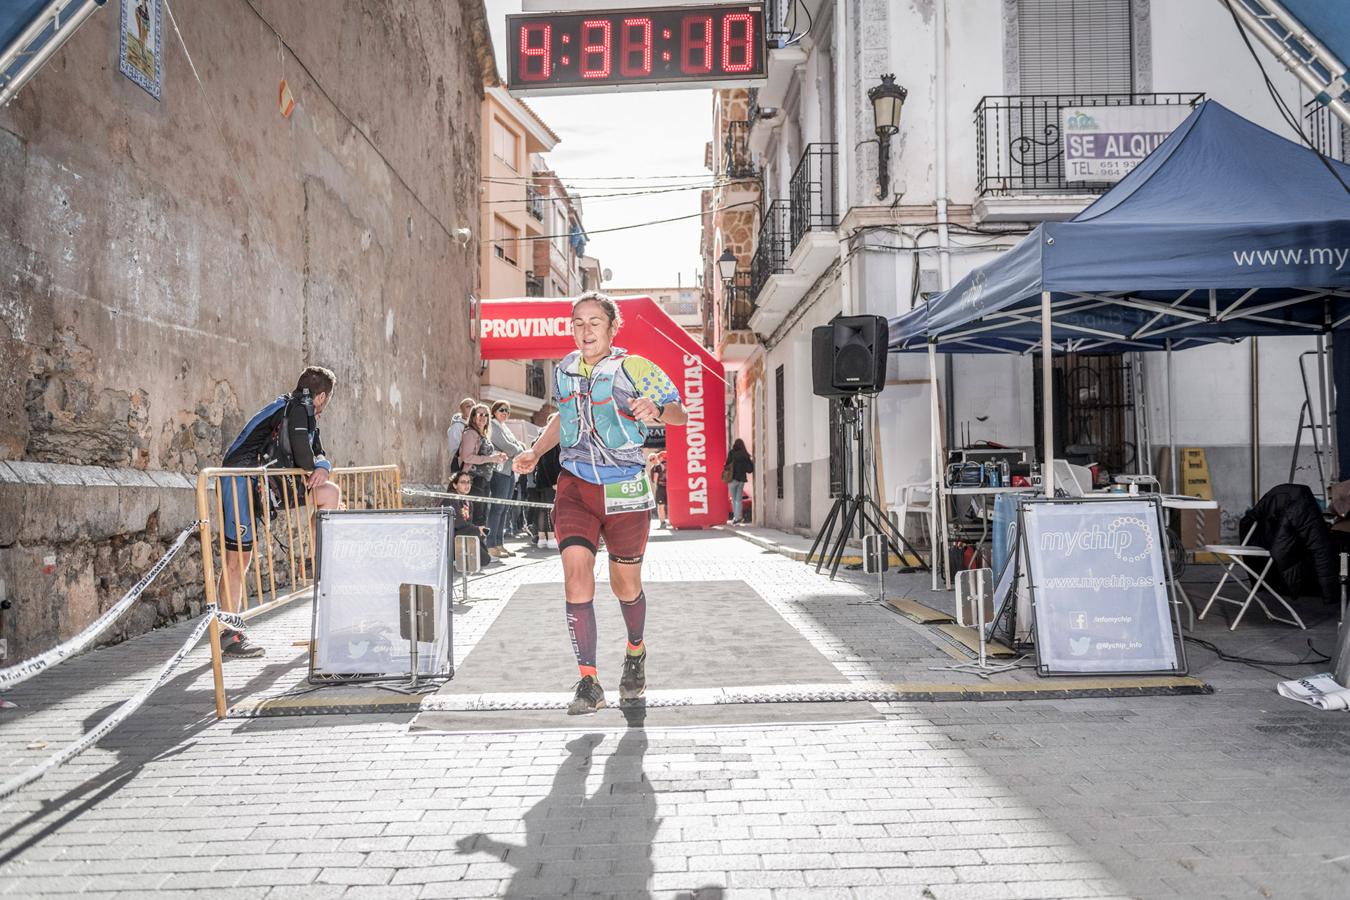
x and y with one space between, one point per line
503 480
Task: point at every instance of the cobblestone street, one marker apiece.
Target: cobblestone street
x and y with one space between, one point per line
1238 794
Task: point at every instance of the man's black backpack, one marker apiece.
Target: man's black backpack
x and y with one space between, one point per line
279 453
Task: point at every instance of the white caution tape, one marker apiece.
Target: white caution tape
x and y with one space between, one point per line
228 619
16 675
120 715
442 495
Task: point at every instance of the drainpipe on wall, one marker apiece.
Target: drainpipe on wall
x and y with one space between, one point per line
940 166
841 93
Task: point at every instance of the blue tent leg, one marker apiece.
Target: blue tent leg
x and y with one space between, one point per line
1047 399
1340 379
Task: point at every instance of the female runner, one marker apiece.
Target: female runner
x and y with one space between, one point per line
606 401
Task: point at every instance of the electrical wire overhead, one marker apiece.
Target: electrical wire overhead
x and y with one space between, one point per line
593 231
619 195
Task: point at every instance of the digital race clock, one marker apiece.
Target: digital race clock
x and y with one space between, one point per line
687 46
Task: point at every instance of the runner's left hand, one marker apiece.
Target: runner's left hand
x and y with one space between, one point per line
646 411
317 477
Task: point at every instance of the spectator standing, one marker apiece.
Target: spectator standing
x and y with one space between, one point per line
479 457
455 433
503 479
658 477
739 466
543 489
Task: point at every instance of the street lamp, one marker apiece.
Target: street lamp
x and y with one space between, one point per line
888 98
726 265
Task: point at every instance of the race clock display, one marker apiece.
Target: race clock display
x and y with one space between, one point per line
687 46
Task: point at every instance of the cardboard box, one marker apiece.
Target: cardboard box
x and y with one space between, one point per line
1197 527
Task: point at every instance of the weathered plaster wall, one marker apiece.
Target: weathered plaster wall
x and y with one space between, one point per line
167 267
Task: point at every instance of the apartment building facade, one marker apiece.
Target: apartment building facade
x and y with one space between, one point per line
533 240
976 163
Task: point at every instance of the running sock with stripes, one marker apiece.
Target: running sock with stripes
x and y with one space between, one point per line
635 617
581 626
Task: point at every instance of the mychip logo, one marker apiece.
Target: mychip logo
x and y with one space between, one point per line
1129 539
973 296
418 548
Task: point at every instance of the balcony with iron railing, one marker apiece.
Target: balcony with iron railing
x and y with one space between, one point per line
534 202
737 161
534 285
738 302
786 22
1326 133
795 249
1019 151
776 22
735 340
536 383
772 248
812 192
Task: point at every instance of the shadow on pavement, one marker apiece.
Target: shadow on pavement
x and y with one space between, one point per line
577 842
148 744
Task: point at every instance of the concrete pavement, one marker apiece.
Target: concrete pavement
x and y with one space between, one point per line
1239 793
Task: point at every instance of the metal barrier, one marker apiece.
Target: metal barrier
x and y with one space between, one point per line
272 512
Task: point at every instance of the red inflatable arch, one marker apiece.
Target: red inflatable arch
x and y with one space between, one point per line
542 329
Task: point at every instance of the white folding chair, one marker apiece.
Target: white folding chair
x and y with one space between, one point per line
915 499
1233 556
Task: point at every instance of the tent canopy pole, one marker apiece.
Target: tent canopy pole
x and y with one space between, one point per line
935 536
1047 400
1171 428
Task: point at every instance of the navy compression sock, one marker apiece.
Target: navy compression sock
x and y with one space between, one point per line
635 617
581 626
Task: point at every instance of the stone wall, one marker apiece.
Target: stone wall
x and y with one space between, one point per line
167 267
73 539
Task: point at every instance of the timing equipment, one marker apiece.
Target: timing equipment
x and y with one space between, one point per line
848 356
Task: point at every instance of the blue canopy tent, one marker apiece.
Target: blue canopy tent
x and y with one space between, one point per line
1225 231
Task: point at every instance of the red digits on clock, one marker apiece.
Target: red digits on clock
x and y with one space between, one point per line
532 49
737 47
635 47
696 51
596 41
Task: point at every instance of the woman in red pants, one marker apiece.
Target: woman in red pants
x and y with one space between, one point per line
606 399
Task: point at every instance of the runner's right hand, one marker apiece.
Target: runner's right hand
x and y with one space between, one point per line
525 462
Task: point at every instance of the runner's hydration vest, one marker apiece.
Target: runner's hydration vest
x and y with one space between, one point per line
589 409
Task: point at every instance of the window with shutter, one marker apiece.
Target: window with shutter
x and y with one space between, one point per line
1075 47
506 239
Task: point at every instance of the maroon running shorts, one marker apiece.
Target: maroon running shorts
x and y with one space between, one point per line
579 520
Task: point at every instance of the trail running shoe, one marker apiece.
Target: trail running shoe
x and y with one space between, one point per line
235 644
633 684
590 697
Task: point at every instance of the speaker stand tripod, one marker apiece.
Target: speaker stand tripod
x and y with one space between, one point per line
850 508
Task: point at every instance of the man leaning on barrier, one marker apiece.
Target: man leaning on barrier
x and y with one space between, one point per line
283 434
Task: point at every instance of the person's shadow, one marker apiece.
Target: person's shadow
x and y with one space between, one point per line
580 843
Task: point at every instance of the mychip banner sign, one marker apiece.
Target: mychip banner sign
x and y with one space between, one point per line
1104 143
365 557
1099 584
